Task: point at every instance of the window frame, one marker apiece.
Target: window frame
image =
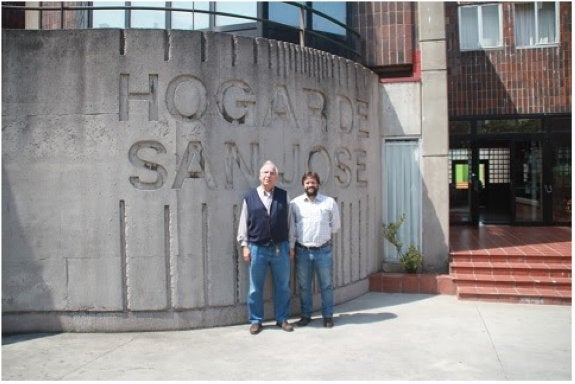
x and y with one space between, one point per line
536 13
479 10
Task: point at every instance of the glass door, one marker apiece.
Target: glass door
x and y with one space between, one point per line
528 191
494 182
559 187
460 183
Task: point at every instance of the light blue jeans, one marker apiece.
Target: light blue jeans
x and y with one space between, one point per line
277 258
321 262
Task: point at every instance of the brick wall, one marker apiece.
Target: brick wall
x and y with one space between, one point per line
388 30
509 80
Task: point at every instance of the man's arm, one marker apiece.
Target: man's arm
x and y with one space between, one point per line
292 227
243 232
335 219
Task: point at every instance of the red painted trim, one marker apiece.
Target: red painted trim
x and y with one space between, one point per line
415 76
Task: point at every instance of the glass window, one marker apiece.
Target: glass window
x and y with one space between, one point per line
237 8
148 18
336 10
536 24
284 13
480 27
108 18
189 20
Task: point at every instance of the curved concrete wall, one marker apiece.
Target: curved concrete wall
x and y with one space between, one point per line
125 158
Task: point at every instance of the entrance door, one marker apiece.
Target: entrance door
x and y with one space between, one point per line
557 187
493 182
511 171
528 191
460 211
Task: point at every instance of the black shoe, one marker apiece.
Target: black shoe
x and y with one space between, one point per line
285 326
255 328
303 321
328 322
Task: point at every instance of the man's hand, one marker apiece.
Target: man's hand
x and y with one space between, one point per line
292 253
247 254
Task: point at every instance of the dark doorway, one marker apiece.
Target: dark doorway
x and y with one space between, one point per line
515 172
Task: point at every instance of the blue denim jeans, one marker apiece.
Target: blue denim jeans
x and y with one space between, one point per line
277 258
319 261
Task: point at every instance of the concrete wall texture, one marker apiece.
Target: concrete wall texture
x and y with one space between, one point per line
125 158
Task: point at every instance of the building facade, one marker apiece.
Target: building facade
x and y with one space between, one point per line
400 110
510 112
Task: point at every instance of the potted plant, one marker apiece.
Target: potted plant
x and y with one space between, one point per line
412 259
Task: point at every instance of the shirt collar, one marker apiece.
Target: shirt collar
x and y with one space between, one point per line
317 198
265 193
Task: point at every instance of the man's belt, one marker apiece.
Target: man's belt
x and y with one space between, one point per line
324 245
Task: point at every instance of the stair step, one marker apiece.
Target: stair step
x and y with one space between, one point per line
558 296
490 257
511 268
485 280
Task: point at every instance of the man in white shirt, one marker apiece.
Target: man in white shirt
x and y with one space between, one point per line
314 218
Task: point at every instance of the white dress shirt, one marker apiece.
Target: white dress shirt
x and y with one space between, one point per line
313 221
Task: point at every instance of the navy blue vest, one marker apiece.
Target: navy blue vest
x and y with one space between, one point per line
264 228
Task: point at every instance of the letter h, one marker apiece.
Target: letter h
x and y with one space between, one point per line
126 96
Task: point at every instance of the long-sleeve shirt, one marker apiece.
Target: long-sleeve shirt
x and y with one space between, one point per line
266 198
313 221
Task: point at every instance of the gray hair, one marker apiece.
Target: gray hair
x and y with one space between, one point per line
269 162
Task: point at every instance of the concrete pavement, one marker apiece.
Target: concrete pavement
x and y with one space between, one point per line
377 336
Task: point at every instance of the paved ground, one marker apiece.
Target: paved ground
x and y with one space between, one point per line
378 336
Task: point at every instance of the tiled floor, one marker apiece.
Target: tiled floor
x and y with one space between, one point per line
498 239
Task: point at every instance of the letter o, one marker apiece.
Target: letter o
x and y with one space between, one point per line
186 98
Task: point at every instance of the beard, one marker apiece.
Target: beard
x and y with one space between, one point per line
311 191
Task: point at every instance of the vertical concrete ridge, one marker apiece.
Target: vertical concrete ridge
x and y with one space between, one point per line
122 42
261 52
234 49
360 233
236 255
169 301
206 269
282 70
167 44
203 47
274 57
292 56
123 256
351 242
342 242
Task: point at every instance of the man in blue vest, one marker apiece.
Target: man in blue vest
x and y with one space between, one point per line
263 234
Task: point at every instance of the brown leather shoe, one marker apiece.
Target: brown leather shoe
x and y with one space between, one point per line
255 328
285 326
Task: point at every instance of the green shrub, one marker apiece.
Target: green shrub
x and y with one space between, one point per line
412 259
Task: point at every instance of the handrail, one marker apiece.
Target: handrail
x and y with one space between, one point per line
63 8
